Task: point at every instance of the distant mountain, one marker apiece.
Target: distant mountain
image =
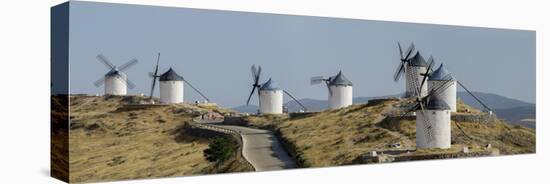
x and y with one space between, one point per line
514 111
494 101
524 115
246 108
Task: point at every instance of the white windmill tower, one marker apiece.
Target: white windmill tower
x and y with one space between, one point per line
269 93
171 86
115 81
433 125
414 68
340 90
439 76
433 117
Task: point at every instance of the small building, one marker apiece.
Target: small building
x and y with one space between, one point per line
340 91
171 87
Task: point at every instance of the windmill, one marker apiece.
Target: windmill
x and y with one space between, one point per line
171 85
413 67
270 95
340 90
433 116
115 81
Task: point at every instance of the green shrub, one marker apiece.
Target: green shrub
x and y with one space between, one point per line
220 149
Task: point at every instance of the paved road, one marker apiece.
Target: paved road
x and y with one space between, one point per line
262 149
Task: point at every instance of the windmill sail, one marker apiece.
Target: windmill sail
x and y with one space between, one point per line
155 76
256 72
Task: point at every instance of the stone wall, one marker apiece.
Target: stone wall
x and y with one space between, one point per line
481 118
299 115
239 121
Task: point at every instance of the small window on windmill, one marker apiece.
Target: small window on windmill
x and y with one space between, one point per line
433 112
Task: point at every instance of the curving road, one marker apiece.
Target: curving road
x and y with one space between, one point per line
262 149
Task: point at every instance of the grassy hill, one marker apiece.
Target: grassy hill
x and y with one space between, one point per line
112 141
338 137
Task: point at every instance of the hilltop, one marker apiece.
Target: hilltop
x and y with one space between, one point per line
342 136
113 139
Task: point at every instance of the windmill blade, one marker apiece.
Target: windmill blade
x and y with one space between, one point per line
105 61
317 80
259 72
409 51
430 64
427 74
128 64
400 50
303 107
254 72
130 84
206 98
427 125
153 87
399 72
99 82
157 67
154 75
417 90
328 87
250 96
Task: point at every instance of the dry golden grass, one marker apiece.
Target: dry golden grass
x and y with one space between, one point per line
59 136
108 142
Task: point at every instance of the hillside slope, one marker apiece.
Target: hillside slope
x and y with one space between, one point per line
339 137
109 141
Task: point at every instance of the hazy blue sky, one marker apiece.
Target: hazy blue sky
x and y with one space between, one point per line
215 49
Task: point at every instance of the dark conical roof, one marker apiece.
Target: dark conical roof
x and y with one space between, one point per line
436 103
269 85
114 72
441 74
170 75
340 79
417 60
